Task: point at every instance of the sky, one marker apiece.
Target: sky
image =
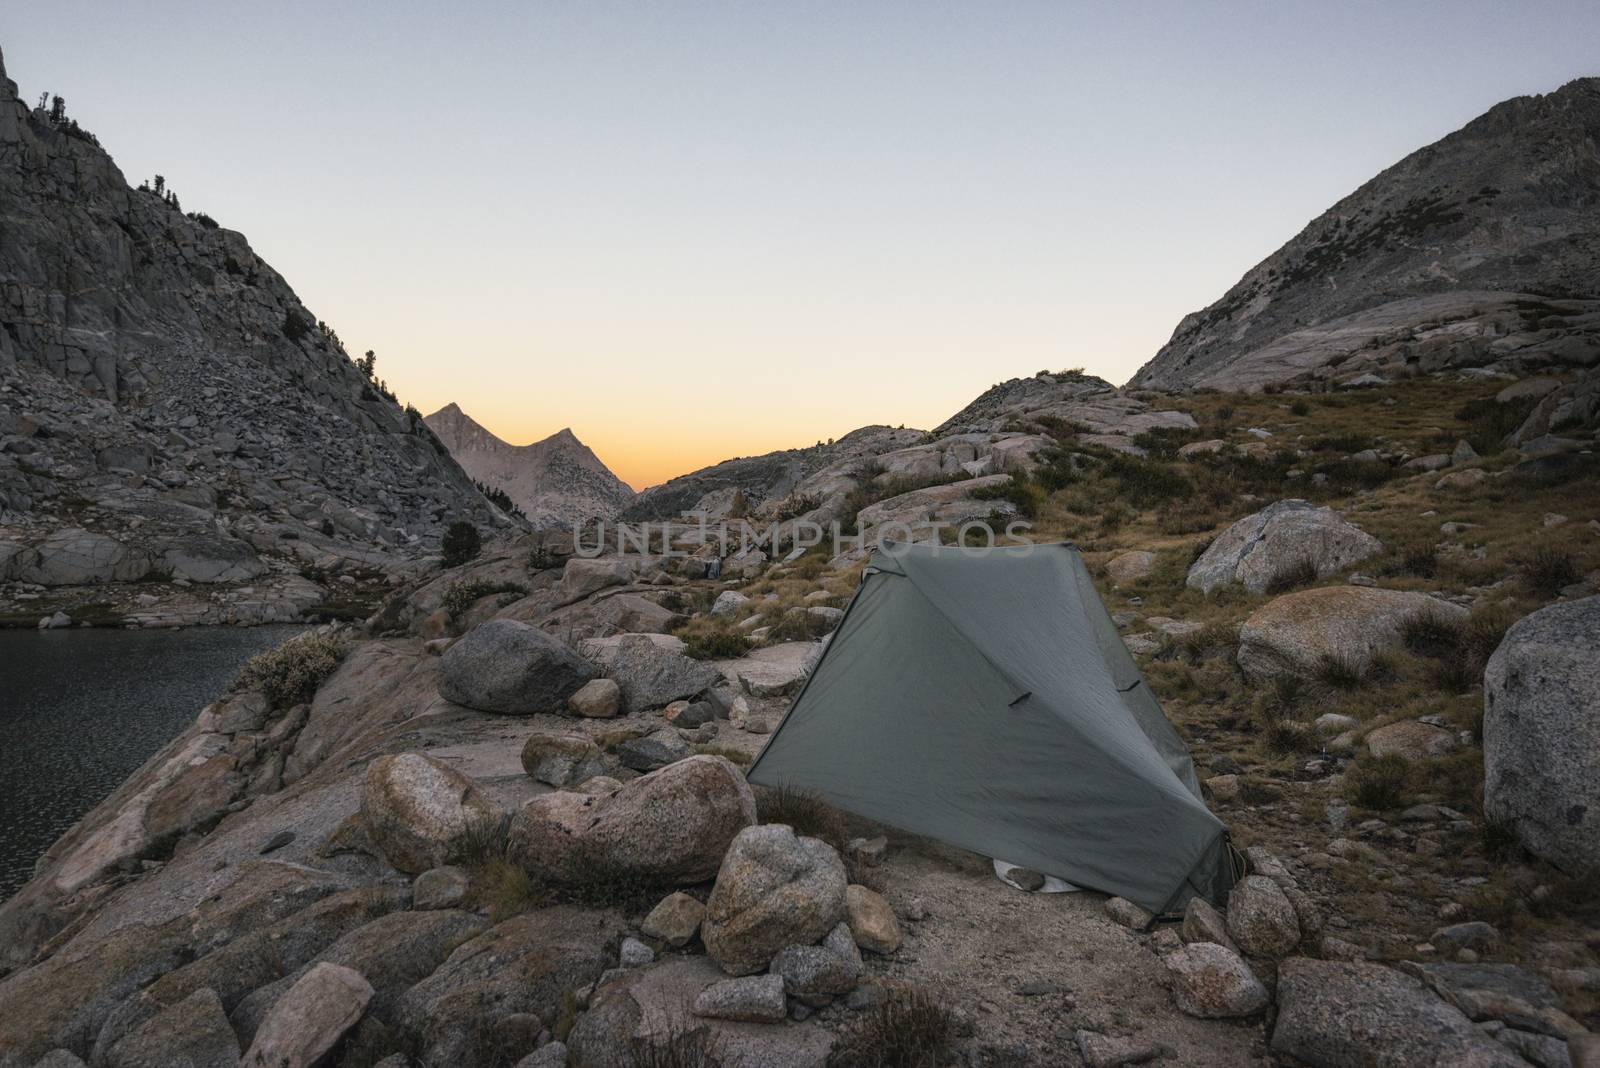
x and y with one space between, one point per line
690 231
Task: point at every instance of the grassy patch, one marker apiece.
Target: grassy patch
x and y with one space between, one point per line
1547 568
1292 575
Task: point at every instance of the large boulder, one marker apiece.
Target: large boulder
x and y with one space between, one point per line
1541 735
1296 633
310 1019
525 965
651 675
1282 536
672 825
774 889
1334 1014
194 1033
415 810
583 576
1261 919
1212 981
511 667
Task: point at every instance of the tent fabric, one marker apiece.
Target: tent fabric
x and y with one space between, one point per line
983 697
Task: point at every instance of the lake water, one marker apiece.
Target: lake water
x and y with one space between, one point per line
80 710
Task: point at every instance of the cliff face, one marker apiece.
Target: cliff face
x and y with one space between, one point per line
162 387
1493 230
557 482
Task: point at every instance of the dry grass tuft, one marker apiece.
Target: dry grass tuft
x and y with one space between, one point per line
804 811
1378 782
909 1028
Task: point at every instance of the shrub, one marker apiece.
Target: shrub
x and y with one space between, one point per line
1549 568
290 674
1023 494
463 595
1299 407
1295 573
541 558
294 327
461 543
909 1028
1378 782
715 645
802 810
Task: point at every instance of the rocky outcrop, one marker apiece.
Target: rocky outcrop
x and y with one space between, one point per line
525 965
773 890
670 826
513 668
1301 633
558 483
1541 735
1466 252
169 408
1276 540
1352 1015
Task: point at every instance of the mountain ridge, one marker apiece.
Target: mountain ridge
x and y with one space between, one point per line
1504 210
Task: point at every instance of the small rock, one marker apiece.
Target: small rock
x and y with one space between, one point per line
867 851
277 841
551 1055
1106 1051
636 954
871 920
813 972
1127 913
753 999
1203 923
1472 935
596 699
653 751
439 888
1224 787
676 920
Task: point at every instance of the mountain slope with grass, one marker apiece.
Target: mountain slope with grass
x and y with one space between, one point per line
558 482
1482 248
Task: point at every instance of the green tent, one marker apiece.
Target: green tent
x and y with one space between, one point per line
982 697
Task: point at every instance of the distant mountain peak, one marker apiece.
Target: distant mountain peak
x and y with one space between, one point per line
556 481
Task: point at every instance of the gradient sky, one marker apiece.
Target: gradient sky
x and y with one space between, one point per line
691 231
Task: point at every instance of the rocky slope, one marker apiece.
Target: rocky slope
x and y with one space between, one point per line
1481 248
558 482
170 411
